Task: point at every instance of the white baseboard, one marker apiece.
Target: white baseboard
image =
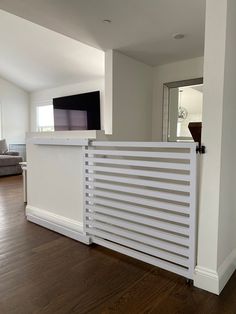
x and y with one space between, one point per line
215 281
68 227
206 279
226 269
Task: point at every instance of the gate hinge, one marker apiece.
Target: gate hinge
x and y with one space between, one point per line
201 149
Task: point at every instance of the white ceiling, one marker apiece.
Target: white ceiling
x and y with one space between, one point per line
140 28
34 57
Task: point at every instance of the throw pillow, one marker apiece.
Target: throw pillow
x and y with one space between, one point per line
3 147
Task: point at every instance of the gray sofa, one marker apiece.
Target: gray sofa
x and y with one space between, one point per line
9 161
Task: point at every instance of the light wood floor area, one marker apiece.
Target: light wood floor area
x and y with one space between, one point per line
44 272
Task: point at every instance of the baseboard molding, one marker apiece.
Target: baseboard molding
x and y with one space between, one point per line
215 281
68 227
226 269
206 279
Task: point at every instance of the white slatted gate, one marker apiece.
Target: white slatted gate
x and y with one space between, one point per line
140 200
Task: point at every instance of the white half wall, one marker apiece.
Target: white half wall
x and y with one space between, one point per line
14 105
44 97
132 88
55 180
172 72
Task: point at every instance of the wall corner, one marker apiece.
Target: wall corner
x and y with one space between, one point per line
215 281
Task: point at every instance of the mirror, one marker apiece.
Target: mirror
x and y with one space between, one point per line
182 105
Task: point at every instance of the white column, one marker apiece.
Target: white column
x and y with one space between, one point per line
108 104
214 260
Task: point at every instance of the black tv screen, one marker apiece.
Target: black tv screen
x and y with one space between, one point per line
77 112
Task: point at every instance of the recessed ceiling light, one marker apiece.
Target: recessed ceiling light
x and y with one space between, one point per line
178 36
107 21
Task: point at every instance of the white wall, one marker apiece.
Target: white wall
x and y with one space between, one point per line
216 235
45 97
126 104
55 180
177 71
211 137
132 83
227 215
108 102
14 103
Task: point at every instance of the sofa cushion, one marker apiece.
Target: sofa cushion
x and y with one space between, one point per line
6 160
10 170
3 146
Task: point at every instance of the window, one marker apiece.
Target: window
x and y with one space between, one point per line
45 119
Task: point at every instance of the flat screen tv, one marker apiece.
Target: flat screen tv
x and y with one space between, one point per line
77 112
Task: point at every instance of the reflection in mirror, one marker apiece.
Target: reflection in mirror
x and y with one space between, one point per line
184 106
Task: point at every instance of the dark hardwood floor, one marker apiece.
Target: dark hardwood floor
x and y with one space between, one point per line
44 272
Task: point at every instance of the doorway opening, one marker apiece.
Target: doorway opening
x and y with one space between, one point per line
182 105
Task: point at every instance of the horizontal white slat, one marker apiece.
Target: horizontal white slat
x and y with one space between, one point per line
149 240
140 200
148 183
138 172
140 163
145 154
158 243
181 260
147 230
125 211
143 257
169 186
141 182
144 144
138 191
